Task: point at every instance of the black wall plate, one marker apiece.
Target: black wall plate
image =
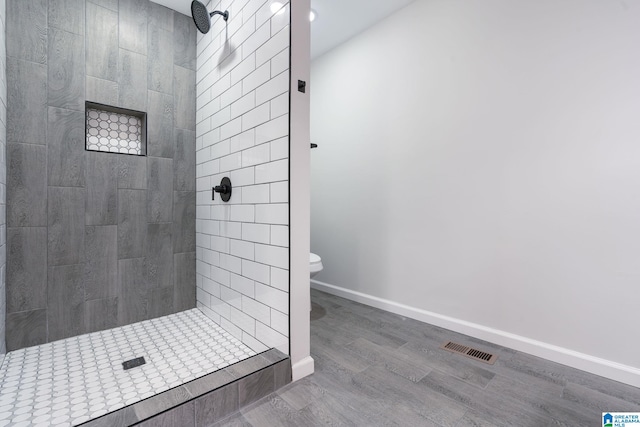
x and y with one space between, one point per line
224 189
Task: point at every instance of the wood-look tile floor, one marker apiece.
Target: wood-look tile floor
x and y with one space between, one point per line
374 368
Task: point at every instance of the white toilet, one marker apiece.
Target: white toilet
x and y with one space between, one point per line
315 264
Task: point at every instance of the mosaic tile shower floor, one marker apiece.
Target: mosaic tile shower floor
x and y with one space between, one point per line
71 381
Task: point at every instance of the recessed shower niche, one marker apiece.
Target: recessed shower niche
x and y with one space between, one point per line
115 130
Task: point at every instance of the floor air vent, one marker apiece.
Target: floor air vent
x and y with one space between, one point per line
469 352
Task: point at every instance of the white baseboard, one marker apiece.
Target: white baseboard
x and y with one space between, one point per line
605 368
302 368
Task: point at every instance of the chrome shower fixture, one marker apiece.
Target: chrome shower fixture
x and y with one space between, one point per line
202 17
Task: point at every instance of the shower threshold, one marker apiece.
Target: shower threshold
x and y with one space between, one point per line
82 380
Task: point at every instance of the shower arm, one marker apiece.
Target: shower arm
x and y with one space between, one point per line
225 14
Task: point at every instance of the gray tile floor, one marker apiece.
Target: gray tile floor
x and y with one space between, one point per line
374 368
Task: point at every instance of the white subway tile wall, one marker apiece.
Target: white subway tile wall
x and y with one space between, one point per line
242 131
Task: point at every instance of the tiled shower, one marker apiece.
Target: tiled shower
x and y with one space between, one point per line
103 245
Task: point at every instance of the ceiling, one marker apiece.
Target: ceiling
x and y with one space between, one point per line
182 6
337 20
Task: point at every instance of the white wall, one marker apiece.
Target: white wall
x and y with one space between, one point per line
479 166
299 176
242 131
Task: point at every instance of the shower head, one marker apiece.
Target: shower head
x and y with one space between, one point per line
202 17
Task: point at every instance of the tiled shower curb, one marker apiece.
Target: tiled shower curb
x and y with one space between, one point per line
208 399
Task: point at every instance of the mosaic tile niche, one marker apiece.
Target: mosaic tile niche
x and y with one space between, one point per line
115 130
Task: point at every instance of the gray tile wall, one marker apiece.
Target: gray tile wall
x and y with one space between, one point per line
3 174
95 240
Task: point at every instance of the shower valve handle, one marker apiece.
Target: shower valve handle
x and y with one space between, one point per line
221 189
224 189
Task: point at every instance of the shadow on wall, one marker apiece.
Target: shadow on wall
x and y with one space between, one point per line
229 51
228 54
